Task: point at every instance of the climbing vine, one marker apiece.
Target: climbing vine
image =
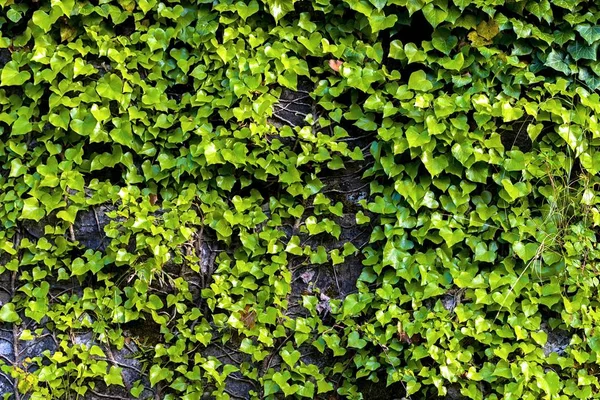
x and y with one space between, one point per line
299 199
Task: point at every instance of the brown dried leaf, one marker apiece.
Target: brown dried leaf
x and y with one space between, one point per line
248 317
488 29
335 65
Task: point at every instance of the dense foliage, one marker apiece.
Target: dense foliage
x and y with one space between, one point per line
481 160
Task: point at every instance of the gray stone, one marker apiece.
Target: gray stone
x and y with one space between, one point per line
558 340
6 348
9 345
293 106
453 393
35 347
89 227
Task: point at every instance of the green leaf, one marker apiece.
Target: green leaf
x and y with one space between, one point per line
483 254
510 113
43 20
379 21
79 267
245 10
290 355
443 41
282 379
22 126
414 54
307 389
67 6
97 351
17 168
573 136
352 306
146 5
581 51
279 8
305 23
154 302
412 387
366 124
556 60
270 387
379 4
110 87
517 190
451 237
60 120
396 50
434 15
80 67
444 106
292 175
223 228
453 64
319 256
540 337
157 39
435 165
561 36
361 218
591 33
541 9
158 374
114 376
323 386
522 29
415 138
374 102
293 246
11 76
100 113
526 251
8 313
589 78
288 79
355 341
550 383
418 81
14 15
69 214
32 209
591 163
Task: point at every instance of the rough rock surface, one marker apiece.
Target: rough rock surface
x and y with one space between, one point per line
89 227
558 340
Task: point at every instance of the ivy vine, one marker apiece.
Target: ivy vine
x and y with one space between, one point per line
299 199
